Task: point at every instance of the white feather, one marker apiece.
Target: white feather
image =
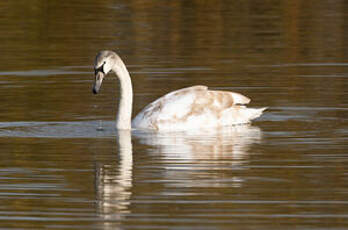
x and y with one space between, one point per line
195 107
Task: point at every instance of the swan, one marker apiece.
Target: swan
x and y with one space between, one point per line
188 108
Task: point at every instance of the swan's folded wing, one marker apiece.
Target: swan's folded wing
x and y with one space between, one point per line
239 98
186 107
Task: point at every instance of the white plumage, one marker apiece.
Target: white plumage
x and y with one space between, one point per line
189 108
196 107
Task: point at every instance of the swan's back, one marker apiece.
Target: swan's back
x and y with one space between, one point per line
195 107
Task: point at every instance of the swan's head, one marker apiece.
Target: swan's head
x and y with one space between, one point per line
102 66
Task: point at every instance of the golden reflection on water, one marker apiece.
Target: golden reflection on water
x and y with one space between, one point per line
57 171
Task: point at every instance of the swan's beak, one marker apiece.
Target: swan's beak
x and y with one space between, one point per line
98 82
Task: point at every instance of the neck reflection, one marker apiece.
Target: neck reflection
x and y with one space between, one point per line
114 181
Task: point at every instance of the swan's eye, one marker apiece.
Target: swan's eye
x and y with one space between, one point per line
100 69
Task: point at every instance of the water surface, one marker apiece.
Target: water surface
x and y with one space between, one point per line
64 166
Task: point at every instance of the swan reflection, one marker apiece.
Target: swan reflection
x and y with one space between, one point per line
189 159
114 182
229 142
200 158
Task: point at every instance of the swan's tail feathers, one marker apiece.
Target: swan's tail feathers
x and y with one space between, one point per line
255 113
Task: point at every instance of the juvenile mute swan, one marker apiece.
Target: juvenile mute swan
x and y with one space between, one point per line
189 108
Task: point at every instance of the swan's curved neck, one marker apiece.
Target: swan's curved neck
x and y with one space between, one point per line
125 102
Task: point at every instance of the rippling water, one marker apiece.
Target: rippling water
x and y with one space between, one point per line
64 166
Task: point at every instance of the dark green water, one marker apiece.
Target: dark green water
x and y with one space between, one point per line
286 171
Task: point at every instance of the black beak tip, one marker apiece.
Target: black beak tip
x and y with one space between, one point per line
95 91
